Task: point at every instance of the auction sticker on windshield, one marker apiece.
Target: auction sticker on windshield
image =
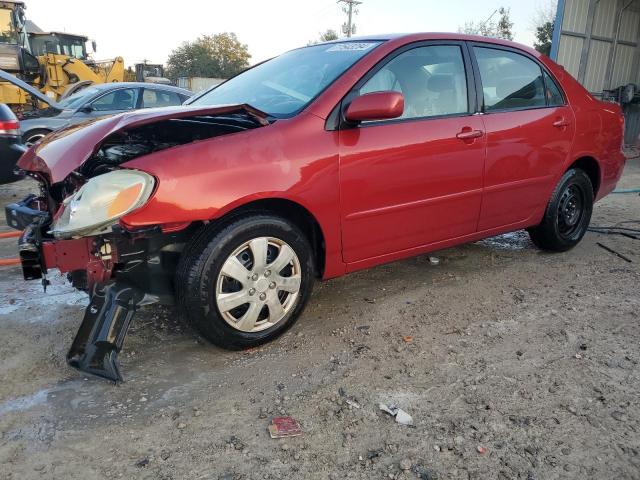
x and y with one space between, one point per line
351 46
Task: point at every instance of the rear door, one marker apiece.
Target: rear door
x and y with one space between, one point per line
417 180
529 129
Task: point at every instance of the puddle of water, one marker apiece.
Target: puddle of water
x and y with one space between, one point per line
16 294
24 403
7 309
509 241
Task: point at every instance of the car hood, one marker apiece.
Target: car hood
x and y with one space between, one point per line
7 77
65 150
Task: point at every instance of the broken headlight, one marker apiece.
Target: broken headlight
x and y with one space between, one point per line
100 202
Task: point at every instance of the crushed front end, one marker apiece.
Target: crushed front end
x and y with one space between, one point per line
120 270
75 224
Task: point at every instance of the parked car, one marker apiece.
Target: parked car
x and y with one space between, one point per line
326 160
97 101
10 144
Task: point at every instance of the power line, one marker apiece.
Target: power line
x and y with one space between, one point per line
349 27
490 17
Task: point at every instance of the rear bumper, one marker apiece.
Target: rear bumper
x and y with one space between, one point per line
11 149
612 170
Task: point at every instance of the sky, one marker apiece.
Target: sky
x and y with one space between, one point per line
150 29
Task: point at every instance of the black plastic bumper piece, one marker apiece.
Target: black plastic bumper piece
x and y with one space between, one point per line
11 149
101 335
20 215
33 266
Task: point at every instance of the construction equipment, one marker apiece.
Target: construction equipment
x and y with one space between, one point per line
55 63
151 73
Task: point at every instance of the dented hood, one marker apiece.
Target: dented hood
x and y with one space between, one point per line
67 149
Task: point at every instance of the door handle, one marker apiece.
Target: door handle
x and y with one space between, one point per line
561 123
468 134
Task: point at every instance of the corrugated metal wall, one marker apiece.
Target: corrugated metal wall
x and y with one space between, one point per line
598 42
198 84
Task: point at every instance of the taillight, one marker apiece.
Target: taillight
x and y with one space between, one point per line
9 127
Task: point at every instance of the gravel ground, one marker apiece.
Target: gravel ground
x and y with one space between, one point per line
513 363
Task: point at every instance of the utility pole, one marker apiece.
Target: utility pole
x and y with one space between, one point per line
484 24
349 28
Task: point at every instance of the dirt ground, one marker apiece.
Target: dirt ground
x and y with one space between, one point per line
520 365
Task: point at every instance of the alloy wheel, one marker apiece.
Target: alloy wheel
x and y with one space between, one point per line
34 139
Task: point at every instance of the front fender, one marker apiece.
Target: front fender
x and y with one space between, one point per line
295 160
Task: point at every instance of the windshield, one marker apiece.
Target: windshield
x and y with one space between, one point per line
286 84
7 32
78 99
59 44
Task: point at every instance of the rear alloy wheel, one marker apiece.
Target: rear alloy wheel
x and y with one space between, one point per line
246 283
568 213
34 136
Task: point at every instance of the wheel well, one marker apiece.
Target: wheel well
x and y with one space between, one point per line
34 131
295 213
590 166
39 130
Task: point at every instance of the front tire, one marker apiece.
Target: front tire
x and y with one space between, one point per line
568 213
246 283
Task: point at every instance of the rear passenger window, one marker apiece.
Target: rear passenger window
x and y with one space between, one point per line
432 80
554 97
510 81
157 98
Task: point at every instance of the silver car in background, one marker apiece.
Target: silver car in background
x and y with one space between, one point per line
98 101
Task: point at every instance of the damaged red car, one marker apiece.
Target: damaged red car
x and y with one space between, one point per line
325 160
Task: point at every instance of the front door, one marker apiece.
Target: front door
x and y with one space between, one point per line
116 101
416 180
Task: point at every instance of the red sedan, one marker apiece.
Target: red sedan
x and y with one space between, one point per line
326 160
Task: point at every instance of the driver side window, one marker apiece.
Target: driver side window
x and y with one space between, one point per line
432 80
123 99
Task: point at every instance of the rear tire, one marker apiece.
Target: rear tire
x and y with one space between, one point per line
33 136
568 213
247 282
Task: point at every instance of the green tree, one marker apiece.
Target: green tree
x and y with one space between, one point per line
325 37
216 56
503 28
544 35
542 25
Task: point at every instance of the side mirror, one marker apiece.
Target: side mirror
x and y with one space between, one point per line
86 109
375 106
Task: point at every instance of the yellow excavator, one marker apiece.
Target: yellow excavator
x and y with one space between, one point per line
56 63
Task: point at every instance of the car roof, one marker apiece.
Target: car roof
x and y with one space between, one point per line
115 85
424 36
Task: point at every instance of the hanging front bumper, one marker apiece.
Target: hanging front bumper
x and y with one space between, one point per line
106 322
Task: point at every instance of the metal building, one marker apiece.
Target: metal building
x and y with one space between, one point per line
598 42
